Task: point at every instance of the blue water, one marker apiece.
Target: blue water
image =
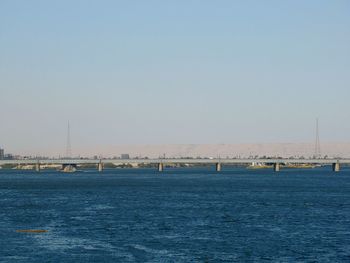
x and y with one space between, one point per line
182 215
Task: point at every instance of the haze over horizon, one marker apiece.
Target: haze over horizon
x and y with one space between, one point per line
174 72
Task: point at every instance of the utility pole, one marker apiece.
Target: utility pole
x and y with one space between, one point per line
68 146
317 142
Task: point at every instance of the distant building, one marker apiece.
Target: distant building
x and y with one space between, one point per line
2 154
8 156
125 156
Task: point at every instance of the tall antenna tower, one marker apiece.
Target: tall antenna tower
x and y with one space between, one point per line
68 146
317 142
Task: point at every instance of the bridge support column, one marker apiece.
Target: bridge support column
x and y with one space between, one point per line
218 167
336 167
276 167
37 167
160 167
100 166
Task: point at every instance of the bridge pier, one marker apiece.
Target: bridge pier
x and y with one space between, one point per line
218 167
100 166
160 167
276 167
336 167
37 167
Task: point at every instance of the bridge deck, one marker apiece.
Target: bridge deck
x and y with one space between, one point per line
180 161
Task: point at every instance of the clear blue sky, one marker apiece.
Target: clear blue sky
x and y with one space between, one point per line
154 72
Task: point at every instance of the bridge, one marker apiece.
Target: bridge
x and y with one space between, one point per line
161 163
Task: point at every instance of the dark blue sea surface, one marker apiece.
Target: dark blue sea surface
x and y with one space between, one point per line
180 215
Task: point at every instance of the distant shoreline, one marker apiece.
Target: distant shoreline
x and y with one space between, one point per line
243 150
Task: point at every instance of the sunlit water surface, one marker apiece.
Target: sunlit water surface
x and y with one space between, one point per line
181 215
